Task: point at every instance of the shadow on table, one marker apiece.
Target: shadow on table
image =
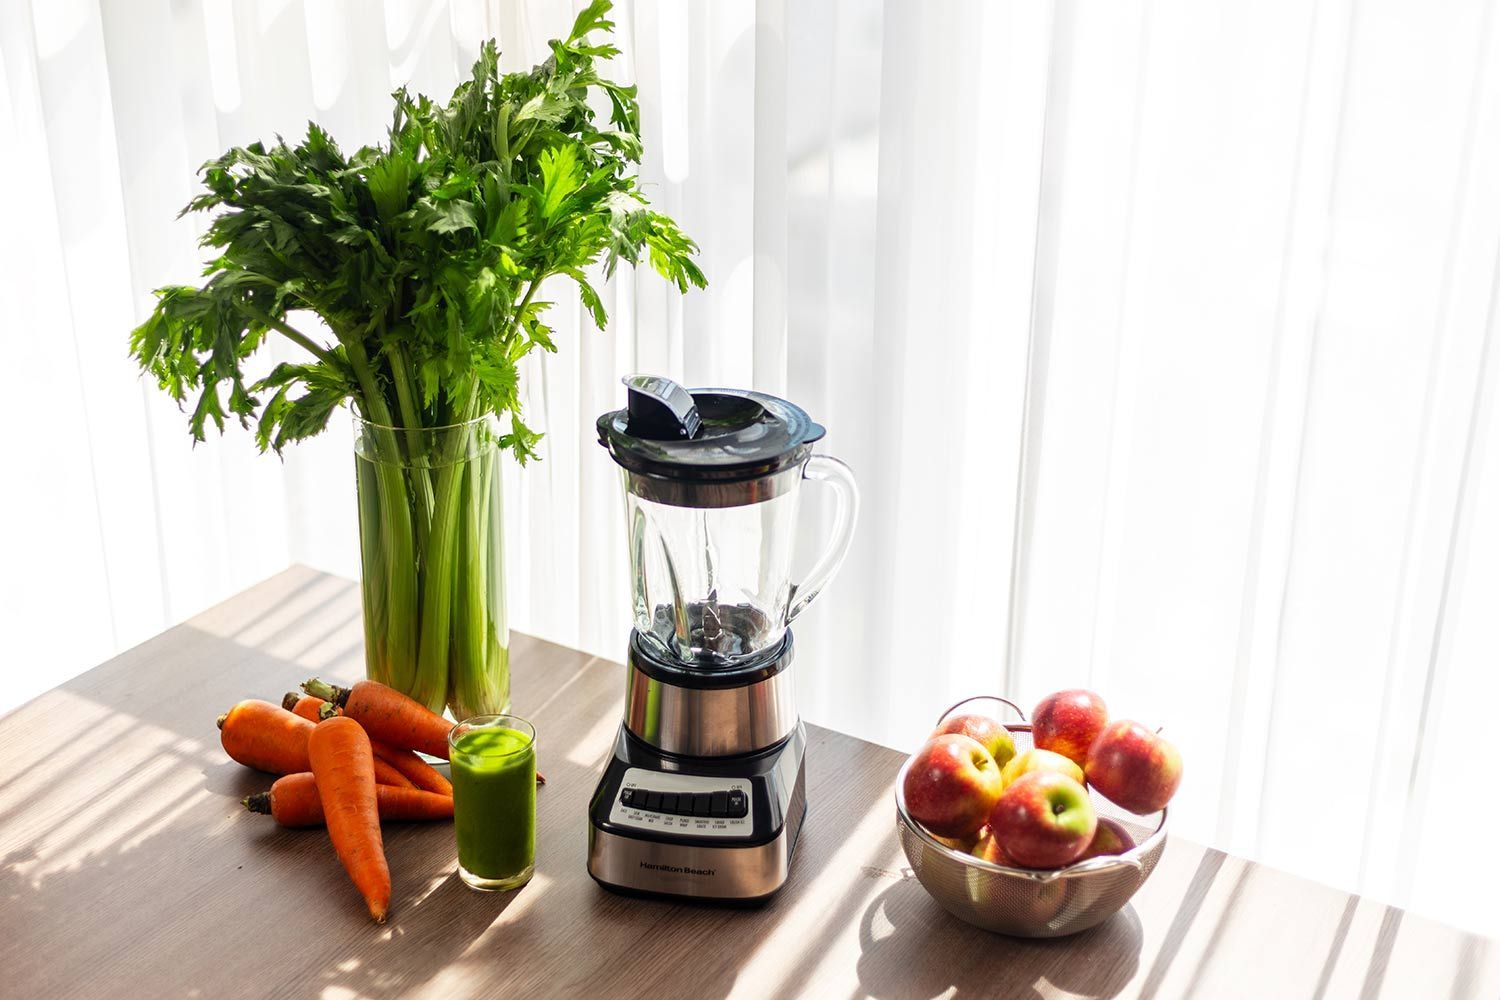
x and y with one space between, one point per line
907 938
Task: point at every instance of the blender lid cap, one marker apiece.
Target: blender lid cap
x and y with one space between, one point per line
705 435
660 409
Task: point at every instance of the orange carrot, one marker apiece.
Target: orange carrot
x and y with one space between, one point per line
304 705
343 766
293 801
421 774
417 771
268 738
387 715
385 774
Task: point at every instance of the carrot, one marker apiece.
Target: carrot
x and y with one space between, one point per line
421 774
268 738
387 715
293 801
343 766
304 705
387 772
417 771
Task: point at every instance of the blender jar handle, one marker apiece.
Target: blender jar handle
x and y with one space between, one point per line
828 470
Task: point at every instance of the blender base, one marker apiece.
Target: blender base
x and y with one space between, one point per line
711 829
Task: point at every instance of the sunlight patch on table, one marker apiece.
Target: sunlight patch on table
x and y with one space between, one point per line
122 787
111 822
260 612
343 646
297 623
787 945
541 710
453 980
586 752
32 782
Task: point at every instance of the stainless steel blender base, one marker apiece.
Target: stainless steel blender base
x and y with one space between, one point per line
671 859
737 873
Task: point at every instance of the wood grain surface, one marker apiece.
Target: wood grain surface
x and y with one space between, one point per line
129 868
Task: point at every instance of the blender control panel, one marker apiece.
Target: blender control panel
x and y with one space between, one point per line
684 804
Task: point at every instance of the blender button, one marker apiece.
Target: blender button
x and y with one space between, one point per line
720 804
669 802
653 801
702 801
737 804
684 804
627 798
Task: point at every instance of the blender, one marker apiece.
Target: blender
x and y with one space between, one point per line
704 794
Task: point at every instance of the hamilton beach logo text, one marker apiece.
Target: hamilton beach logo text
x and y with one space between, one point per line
678 869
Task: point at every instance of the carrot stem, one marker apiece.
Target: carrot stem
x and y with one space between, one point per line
330 693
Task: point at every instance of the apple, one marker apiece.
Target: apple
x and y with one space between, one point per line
951 785
991 735
1133 767
1040 760
987 848
1068 722
1109 838
1044 820
962 845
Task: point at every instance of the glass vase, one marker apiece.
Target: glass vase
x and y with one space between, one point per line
432 560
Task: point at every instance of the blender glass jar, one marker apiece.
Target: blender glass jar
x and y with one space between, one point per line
712 486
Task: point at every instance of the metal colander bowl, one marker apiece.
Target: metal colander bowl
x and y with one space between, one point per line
1020 901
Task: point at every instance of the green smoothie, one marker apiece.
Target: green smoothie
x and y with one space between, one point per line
494 802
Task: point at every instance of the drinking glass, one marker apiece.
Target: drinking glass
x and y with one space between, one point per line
493 761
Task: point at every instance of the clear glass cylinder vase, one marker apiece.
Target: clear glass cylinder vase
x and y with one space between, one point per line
432 559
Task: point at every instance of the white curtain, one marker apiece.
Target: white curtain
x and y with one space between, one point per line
1158 335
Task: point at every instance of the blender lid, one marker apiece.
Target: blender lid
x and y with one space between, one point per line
705 435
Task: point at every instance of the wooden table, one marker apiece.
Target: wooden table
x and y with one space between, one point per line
129 868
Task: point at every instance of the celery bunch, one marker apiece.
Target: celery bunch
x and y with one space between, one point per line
423 256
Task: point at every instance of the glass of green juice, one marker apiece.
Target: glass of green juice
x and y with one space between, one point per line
493 761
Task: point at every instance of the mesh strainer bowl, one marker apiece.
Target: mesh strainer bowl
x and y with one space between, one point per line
1022 902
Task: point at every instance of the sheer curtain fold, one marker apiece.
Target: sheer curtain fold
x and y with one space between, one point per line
1159 335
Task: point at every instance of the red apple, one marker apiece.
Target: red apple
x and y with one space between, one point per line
951 785
1068 723
1044 820
991 735
987 848
1109 838
1039 760
1133 767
